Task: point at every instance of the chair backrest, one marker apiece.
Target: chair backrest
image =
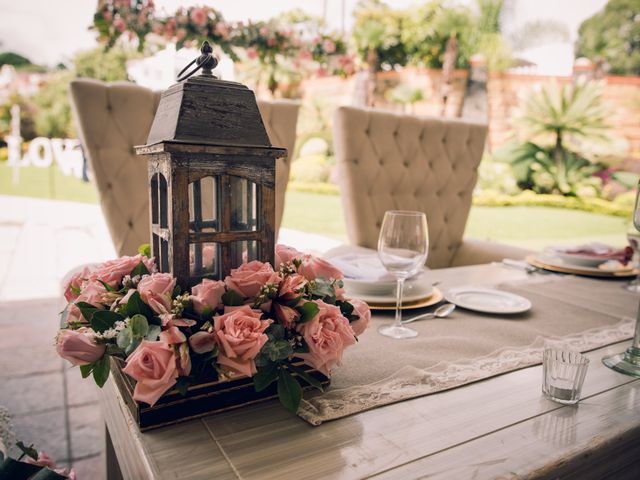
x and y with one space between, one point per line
388 161
113 117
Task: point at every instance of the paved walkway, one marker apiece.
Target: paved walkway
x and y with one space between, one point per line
51 406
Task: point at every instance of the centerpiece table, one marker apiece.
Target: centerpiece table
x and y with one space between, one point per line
497 427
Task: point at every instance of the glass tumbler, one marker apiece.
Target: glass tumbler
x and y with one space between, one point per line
563 375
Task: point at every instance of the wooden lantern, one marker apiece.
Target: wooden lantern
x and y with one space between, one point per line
211 178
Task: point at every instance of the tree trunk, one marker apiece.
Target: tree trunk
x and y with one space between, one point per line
448 68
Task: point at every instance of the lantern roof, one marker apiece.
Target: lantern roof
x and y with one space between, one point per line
208 112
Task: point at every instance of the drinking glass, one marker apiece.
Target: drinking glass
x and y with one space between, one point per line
634 240
402 247
563 374
628 362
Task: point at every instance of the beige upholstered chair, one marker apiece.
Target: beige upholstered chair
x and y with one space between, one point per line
113 117
388 161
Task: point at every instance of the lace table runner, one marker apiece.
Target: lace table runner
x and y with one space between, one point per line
581 313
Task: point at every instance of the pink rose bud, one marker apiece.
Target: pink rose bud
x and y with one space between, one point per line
208 293
43 460
327 335
286 315
361 309
156 290
172 336
78 346
153 366
183 360
285 254
111 272
202 342
250 277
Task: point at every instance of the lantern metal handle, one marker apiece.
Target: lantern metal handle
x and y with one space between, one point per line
205 61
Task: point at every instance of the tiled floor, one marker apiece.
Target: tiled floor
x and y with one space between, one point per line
50 404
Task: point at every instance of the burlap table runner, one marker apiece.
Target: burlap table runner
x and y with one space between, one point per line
582 313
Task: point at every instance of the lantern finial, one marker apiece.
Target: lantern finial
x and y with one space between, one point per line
206 61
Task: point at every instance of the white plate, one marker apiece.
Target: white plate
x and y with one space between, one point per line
385 287
487 300
411 293
579 260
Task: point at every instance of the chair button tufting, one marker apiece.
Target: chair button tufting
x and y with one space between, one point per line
130 223
109 186
406 164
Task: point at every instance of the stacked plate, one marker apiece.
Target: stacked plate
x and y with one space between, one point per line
381 294
594 260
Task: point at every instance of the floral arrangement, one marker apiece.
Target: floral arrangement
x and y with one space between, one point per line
31 465
267 42
254 323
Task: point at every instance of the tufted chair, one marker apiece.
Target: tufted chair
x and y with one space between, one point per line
388 161
113 117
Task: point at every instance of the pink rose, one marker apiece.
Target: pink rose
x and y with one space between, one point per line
272 42
111 272
119 25
93 293
222 29
78 346
202 342
361 309
292 286
327 335
208 293
305 55
199 16
285 254
250 277
240 334
183 360
75 283
252 53
172 336
329 46
314 267
180 34
286 315
107 15
264 31
43 460
153 366
156 290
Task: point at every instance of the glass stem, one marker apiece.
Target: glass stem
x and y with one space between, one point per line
636 337
398 322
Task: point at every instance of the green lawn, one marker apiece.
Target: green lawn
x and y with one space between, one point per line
530 227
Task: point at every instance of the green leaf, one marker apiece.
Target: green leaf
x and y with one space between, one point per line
135 306
276 331
176 291
182 385
140 269
87 310
124 338
85 370
231 298
306 377
307 311
265 376
145 249
277 350
154 332
135 342
30 451
322 287
139 326
107 287
101 370
104 320
289 391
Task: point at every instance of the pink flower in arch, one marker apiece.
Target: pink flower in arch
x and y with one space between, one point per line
199 16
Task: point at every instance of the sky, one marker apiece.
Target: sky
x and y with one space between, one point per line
51 31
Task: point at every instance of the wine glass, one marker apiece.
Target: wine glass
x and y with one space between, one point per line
633 236
628 362
402 247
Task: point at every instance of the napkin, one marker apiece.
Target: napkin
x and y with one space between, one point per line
362 266
598 251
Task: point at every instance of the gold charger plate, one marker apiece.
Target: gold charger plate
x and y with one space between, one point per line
434 297
577 270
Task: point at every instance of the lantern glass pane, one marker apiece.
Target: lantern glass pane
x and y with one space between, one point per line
204 259
204 205
155 192
243 252
244 205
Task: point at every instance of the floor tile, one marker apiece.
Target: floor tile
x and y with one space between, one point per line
87 431
18 362
46 431
91 468
32 394
80 391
